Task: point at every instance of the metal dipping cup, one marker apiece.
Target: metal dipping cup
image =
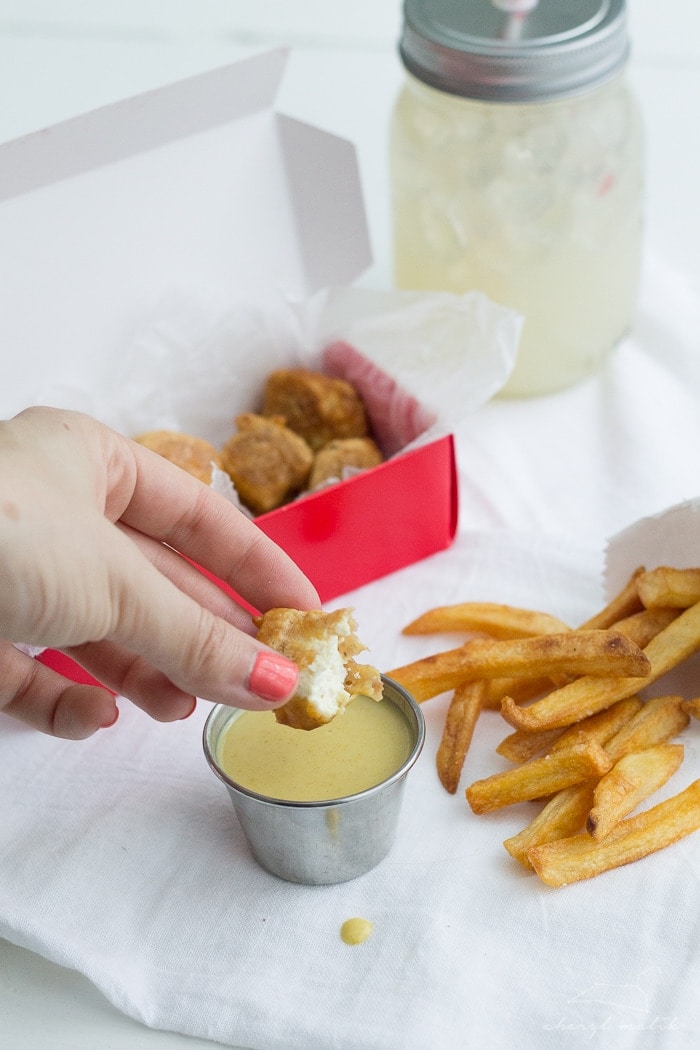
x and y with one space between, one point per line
319 843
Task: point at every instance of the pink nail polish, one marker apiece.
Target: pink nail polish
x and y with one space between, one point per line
273 676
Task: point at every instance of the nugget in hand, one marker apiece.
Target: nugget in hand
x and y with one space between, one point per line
323 646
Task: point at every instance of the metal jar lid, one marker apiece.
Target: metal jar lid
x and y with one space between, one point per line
514 50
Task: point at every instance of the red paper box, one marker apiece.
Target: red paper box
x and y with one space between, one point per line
373 524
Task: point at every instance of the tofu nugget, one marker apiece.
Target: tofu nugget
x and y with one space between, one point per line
193 454
267 462
314 405
323 646
331 462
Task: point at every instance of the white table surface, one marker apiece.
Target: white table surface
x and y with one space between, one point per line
59 60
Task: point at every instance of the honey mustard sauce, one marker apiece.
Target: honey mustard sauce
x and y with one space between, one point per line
358 749
356 930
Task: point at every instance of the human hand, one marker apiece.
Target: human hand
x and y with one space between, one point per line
90 527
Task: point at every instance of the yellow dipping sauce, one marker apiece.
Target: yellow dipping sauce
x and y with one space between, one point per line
355 931
359 748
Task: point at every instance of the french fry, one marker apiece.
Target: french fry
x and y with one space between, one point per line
519 689
538 777
657 720
623 604
521 745
632 779
434 674
566 812
642 626
673 588
651 723
584 743
570 653
498 621
464 710
601 727
588 694
692 707
563 815
574 652
582 857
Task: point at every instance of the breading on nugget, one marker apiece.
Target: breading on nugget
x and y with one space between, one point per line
193 454
334 459
267 462
318 407
323 646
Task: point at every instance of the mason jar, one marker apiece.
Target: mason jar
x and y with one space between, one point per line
516 163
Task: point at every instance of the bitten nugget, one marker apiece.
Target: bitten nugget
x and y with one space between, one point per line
334 458
318 407
193 454
267 462
323 646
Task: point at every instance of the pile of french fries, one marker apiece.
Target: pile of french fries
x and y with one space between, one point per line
583 741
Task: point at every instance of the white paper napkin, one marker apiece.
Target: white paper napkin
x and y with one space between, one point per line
121 856
199 362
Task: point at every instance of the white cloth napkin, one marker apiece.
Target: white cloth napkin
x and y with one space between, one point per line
121 856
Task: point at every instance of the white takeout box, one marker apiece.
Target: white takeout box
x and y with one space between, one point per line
199 185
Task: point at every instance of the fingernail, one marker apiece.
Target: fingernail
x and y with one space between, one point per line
110 723
190 712
273 676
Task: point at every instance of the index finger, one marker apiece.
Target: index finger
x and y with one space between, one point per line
169 505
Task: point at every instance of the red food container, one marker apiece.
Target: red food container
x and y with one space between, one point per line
373 524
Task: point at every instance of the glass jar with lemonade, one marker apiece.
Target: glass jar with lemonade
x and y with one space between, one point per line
517 170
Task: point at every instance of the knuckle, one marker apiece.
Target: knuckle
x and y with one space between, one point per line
210 651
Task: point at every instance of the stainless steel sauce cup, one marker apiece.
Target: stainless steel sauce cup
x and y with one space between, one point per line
318 843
